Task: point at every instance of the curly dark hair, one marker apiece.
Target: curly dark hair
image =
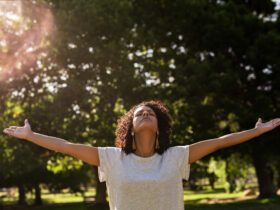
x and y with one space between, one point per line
124 138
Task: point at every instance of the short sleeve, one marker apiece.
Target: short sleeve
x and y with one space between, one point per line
184 165
108 158
180 156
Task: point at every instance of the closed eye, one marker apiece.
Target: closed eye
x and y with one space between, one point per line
140 113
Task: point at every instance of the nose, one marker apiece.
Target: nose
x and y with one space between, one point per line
145 113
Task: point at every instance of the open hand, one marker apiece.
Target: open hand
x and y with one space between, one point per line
19 132
268 125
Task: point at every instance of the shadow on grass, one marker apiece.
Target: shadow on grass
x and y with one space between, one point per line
64 206
219 190
254 204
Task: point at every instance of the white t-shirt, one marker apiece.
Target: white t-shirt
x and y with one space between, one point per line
144 183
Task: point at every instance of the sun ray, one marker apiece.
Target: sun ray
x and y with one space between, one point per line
25 27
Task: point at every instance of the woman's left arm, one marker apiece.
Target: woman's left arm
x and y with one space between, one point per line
202 148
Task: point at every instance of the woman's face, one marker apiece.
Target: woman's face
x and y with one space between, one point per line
144 118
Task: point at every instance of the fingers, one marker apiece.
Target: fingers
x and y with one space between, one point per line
9 131
11 128
26 123
276 122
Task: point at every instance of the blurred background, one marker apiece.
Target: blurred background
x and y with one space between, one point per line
73 67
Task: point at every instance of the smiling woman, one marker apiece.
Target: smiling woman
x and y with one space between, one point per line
143 171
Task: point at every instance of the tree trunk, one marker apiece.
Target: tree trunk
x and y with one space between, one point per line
230 178
278 179
278 174
21 192
212 179
192 183
100 196
264 175
38 198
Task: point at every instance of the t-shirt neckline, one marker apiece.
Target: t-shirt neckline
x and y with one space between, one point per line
137 157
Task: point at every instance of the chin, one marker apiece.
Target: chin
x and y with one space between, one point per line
146 127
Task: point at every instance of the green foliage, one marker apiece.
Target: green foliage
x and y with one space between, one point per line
214 63
236 173
63 164
218 167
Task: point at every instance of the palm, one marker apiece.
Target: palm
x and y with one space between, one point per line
19 132
268 125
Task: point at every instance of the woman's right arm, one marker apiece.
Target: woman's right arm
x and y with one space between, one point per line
83 152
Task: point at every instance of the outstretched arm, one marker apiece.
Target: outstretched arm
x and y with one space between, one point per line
83 152
200 149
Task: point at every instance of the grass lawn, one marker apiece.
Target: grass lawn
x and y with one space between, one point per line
201 200
194 200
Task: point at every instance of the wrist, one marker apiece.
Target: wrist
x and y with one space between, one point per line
259 131
29 136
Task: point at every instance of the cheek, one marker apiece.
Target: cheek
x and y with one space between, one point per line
156 122
134 122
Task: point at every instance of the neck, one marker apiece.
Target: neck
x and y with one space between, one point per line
145 143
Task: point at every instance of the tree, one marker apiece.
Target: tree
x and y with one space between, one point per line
208 54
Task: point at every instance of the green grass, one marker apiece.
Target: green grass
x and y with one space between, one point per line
263 204
219 200
51 198
196 196
194 200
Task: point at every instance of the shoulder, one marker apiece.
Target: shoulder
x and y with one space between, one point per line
177 149
109 151
177 152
